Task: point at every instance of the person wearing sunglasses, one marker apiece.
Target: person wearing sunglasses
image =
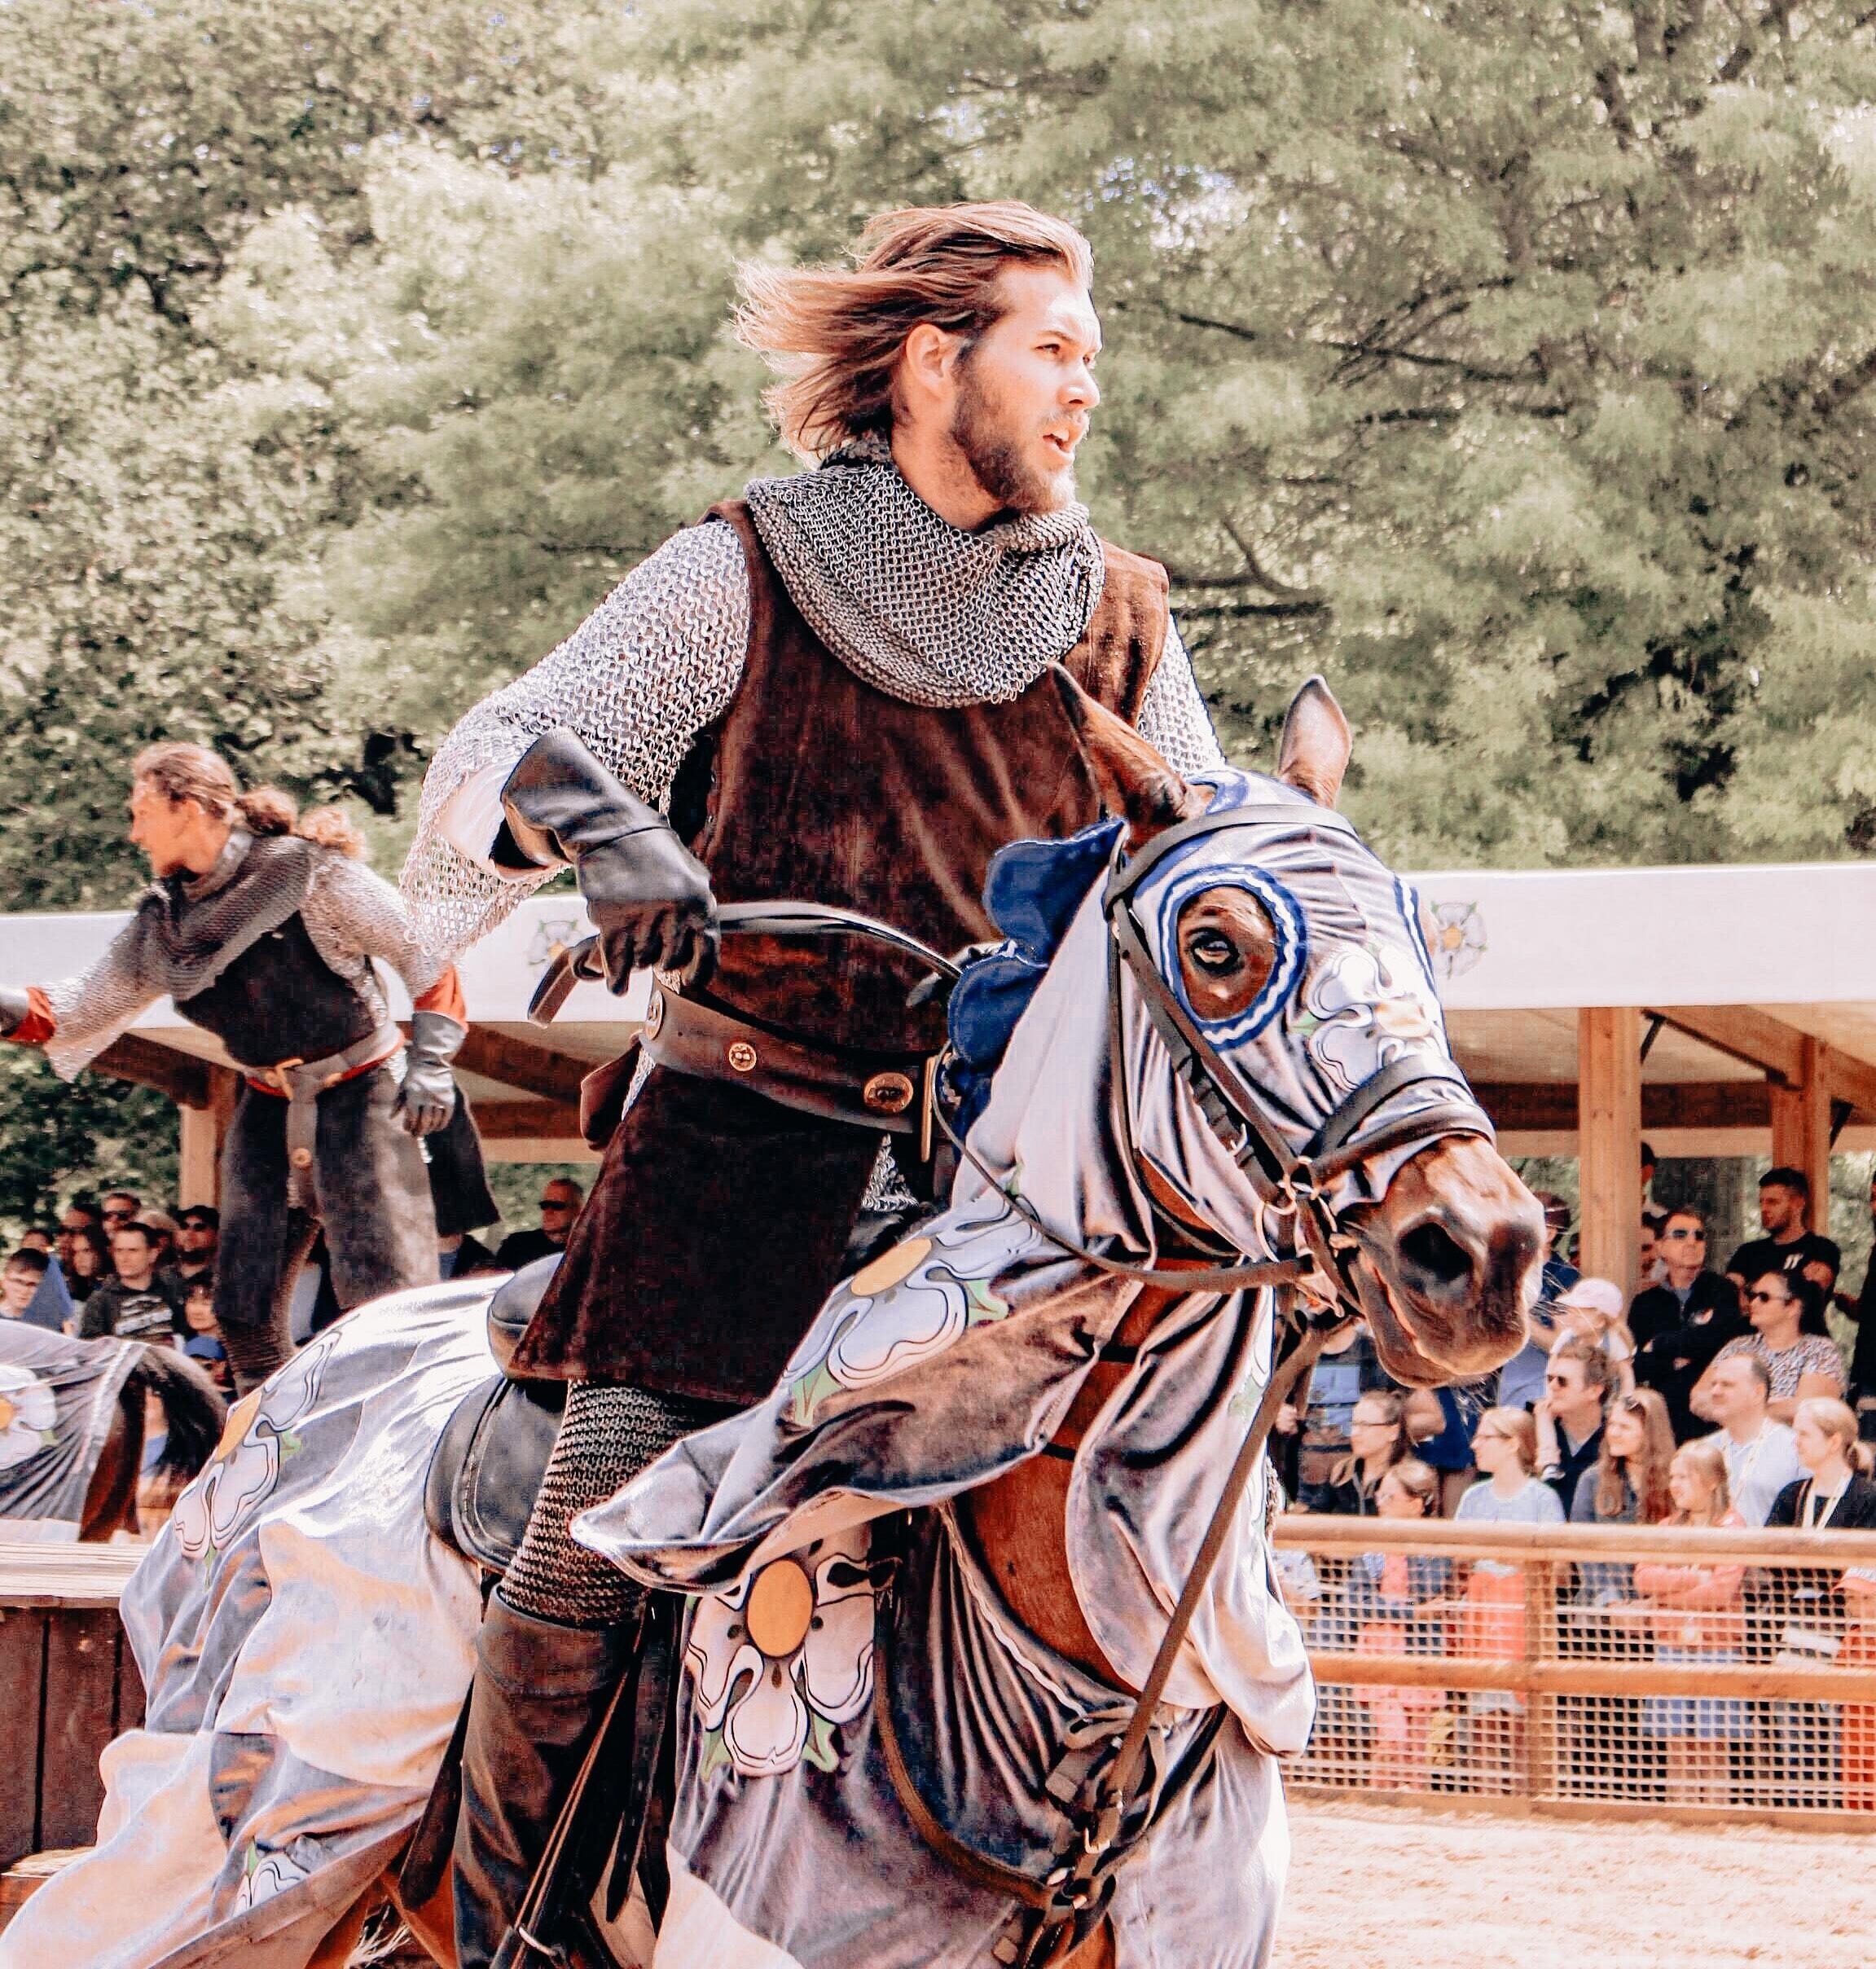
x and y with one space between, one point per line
559 1206
1681 1324
198 1234
1799 1364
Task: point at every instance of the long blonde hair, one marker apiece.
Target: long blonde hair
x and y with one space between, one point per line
1836 1418
833 334
1709 1459
181 771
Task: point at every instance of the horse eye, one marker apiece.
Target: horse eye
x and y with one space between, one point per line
1213 952
1227 950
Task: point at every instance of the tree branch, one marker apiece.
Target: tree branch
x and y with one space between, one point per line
1840 390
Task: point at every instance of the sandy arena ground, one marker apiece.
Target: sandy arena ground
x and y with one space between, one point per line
1371 1887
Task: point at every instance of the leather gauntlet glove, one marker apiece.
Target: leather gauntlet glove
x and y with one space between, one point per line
14 1008
427 1097
648 896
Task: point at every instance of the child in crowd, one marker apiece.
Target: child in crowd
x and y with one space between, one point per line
1504 1446
1397 1601
1697 1618
19 1280
203 1345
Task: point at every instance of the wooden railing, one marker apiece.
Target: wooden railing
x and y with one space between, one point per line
1561 1688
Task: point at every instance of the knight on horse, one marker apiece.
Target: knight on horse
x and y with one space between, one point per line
835 687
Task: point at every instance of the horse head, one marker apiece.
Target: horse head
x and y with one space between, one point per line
1295 968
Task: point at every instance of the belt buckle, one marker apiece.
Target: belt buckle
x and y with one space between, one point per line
278 1071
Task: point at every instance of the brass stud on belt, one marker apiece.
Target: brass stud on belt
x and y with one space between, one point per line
742 1056
889 1094
655 1014
301 1158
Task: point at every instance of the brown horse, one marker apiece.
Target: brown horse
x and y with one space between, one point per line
1446 1256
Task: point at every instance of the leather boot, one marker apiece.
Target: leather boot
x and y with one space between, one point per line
540 1692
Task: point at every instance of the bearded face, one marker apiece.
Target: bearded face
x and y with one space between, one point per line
1022 453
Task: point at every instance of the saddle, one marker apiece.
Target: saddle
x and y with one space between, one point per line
485 1471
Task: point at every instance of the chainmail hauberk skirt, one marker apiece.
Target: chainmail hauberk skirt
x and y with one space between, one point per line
608 1436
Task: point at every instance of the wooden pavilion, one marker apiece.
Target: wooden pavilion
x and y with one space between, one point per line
1718 1011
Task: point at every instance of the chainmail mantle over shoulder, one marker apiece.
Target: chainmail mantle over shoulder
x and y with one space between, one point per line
351 914
921 610
917 607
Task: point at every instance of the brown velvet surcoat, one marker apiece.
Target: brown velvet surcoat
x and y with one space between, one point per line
719 1219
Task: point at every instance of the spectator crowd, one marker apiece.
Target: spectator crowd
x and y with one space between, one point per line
1717 1397
113 1265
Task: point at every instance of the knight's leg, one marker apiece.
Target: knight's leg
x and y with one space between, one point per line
374 1193
554 1642
262 1244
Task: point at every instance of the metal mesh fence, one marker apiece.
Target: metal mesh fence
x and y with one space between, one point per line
1695 1672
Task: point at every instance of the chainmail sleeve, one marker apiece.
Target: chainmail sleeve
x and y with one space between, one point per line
637 681
353 914
98 1006
1173 719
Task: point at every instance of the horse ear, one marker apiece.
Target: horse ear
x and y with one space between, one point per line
1132 778
1314 753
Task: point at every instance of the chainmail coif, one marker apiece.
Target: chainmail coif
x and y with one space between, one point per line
918 607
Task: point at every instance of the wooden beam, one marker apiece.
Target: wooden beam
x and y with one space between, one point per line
204 1129
1549 1107
1742 1032
1846 1077
1609 1142
180 1075
1801 1126
514 1062
499 1121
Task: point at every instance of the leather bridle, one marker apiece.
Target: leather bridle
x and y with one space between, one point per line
1291 1183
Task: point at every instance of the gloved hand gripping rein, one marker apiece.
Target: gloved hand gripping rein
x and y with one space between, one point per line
648 896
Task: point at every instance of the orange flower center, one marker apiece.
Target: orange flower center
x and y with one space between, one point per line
7 1412
240 1420
890 1268
781 1603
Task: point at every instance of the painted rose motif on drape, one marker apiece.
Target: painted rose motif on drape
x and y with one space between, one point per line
245 1467
1364 1007
28 1416
783 1660
266 1874
910 1303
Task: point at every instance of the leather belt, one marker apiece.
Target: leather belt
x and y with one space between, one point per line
889 1092
300 1082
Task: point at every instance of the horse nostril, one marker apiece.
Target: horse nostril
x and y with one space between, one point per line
1432 1250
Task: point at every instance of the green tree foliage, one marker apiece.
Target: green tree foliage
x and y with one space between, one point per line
56 1140
161 510
1511 365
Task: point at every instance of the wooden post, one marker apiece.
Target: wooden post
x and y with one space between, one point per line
204 1129
1801 1129
1609 1142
